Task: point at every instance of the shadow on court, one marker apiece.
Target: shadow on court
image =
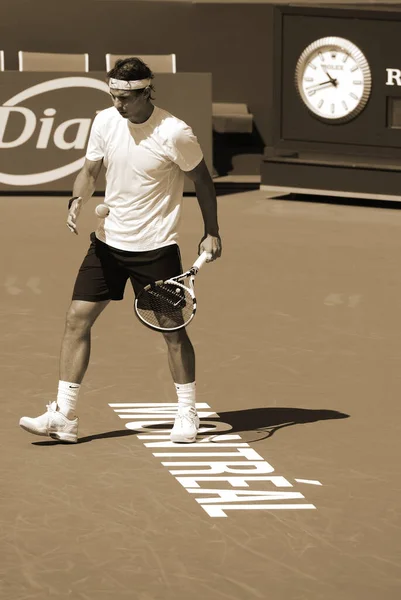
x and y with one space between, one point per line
261 423
341 201
90 438
256 423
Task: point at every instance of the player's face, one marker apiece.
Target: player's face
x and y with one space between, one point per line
129 104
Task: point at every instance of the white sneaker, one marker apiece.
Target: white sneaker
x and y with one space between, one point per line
186 426
53 424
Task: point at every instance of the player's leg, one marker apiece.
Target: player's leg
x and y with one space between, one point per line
76 343
161 264
99 280
181 359
181 356
153 266
60 421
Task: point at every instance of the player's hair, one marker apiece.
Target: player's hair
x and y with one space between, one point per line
130 69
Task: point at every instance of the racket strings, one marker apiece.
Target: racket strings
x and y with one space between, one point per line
165 305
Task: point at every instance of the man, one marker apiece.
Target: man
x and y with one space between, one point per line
146 151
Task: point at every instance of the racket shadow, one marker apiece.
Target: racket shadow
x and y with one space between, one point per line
256 424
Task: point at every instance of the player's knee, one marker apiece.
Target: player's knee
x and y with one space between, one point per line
75 322
79 318
176 338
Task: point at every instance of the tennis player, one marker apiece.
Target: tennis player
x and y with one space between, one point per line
146 152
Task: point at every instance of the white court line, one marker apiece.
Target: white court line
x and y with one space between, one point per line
310 481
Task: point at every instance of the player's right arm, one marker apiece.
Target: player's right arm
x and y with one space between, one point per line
85 181
84 187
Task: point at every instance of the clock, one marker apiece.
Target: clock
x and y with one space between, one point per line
333 79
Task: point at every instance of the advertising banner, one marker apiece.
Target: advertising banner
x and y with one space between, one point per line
45 121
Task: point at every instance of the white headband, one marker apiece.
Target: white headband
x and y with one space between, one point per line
120 84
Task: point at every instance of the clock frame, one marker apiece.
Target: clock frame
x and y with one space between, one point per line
352 104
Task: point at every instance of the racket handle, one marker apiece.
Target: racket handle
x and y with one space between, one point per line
201 260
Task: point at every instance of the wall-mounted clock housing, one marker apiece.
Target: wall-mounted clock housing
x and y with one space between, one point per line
333 79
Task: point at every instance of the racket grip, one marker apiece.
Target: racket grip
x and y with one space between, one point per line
201 260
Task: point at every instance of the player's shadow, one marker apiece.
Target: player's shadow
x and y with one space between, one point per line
90 438
260 423
253 424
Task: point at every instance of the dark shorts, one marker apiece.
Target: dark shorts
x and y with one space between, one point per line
105 270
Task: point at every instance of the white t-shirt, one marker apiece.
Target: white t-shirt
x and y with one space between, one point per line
144 179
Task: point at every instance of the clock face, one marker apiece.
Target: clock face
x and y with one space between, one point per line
333 79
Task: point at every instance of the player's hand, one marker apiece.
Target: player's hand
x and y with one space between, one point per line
212 245
73 214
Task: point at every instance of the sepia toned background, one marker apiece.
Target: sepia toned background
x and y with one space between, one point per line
298 350
233 41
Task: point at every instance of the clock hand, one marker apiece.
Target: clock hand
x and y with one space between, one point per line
319 85
334 81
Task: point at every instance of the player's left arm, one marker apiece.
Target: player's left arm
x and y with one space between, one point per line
206 194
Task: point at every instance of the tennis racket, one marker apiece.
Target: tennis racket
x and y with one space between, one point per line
169 305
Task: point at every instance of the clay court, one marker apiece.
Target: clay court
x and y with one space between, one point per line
298 359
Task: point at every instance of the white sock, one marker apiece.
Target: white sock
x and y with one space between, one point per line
67 398
186 394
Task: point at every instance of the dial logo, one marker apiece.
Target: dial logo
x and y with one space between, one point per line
20 126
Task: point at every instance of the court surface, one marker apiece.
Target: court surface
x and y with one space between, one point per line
298 347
